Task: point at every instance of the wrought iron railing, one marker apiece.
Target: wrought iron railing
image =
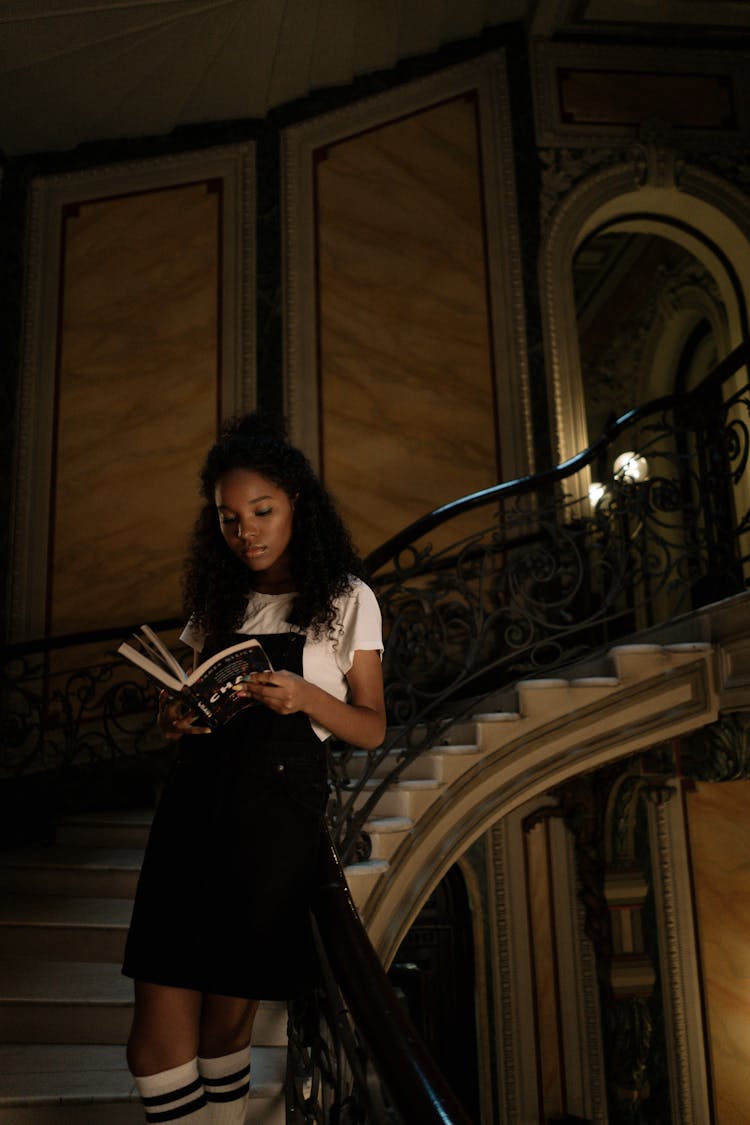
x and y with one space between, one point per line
544 574
72 701
547 572
552 570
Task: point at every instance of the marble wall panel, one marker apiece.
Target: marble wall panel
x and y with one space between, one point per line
137 402
406 380
719 827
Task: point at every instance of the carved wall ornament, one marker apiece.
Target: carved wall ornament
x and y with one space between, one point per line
605 811
619 378
563 168
732 165
719 751
656 163
594 188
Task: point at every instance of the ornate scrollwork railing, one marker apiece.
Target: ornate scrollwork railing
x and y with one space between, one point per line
61 706
544 574
553 570
547 572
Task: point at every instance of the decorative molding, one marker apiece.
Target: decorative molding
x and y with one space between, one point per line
655 181
503 974
562 169
579 1001
478 909
234 165
732 165
592 1027
486 76
634 367
719 751
681 990
580 1033
634 717
553 131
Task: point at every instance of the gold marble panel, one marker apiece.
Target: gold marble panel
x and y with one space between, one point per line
406 381
137 402
544 954
719 825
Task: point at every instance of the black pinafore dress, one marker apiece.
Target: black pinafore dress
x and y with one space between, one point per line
231 862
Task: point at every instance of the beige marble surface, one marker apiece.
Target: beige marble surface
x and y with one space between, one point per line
137 402
719 824
405 370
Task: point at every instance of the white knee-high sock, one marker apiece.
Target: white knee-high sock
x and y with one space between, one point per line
174 1095
226 1081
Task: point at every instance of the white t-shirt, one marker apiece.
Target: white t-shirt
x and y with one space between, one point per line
325 660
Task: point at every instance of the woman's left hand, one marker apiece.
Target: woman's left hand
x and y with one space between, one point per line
284 692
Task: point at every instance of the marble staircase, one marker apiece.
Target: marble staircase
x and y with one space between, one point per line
65 1008
517 746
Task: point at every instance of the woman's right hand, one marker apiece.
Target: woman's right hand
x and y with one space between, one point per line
175 718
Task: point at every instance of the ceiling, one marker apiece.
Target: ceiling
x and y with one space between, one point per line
73 71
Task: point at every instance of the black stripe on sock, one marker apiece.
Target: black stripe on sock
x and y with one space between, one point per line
180 1111
227 1095
173 1095
227 1078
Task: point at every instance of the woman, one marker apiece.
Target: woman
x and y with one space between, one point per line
220 919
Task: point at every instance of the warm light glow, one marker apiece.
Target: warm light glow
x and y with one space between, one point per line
596 491
630 466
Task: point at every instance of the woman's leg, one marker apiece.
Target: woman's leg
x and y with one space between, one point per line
162 1051
166 1027
224 1056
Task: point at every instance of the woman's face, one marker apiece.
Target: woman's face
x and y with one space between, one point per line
255 517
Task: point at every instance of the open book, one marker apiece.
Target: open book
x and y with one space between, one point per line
208 689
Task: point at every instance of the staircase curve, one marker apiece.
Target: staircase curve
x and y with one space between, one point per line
558 633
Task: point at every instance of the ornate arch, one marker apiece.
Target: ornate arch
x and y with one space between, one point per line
666 196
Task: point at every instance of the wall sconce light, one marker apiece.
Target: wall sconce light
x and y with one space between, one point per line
596 491
630 467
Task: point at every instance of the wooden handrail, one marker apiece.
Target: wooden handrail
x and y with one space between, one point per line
410 1074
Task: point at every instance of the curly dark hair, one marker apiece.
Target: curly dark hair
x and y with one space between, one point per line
217 585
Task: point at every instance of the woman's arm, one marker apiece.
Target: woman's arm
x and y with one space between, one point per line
360 722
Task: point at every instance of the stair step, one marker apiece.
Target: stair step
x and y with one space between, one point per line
496 727
424 767
83 1002
59 928
120 828
688 648
637 661
63 1002
386 834
541 699
386 844
497 717
71 870
362 877
365 868
84 1084
590 689
461 733
405 798
384 824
